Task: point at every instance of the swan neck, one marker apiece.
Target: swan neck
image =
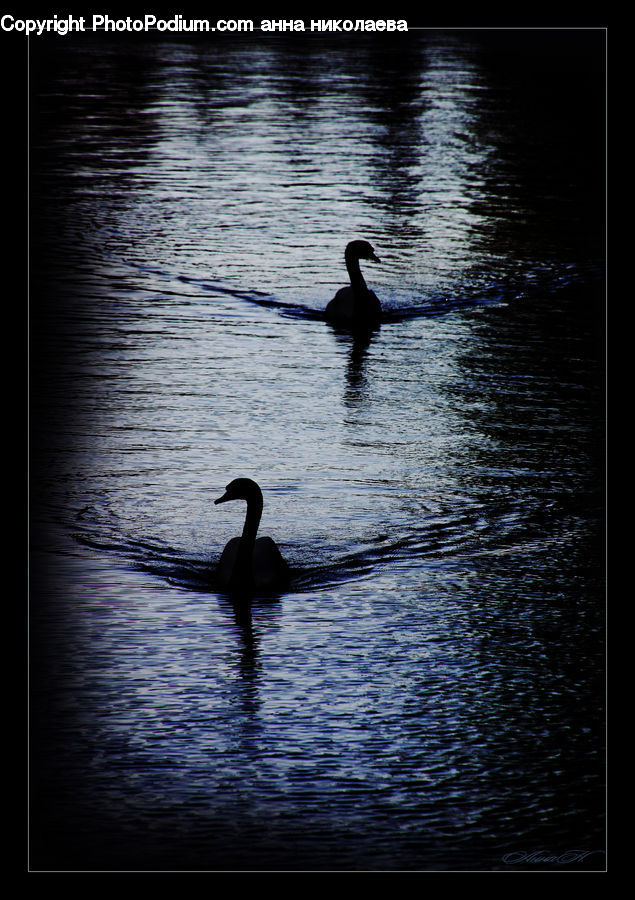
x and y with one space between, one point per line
252 520
354 272
242 575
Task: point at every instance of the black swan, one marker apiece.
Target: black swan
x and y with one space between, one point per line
355 305
248 563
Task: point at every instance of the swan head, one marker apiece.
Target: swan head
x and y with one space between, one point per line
240 489
361 250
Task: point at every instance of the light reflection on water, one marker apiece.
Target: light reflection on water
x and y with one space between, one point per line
426 695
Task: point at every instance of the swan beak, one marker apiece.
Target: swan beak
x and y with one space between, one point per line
222 499
375 258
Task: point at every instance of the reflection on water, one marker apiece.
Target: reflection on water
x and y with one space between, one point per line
427 695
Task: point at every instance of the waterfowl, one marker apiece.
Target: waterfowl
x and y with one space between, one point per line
247 562
355 305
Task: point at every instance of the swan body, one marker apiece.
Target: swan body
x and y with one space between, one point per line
247 562
355 305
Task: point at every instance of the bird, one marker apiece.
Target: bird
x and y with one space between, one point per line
249 563
355 306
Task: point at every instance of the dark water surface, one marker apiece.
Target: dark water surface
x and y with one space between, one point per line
428 694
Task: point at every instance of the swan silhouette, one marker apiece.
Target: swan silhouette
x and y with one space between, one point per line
355 305
247 562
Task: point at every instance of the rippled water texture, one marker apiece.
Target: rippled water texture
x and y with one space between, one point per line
428 694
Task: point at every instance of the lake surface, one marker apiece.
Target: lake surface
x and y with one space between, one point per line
429 692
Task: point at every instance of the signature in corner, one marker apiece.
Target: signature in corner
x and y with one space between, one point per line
544 856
